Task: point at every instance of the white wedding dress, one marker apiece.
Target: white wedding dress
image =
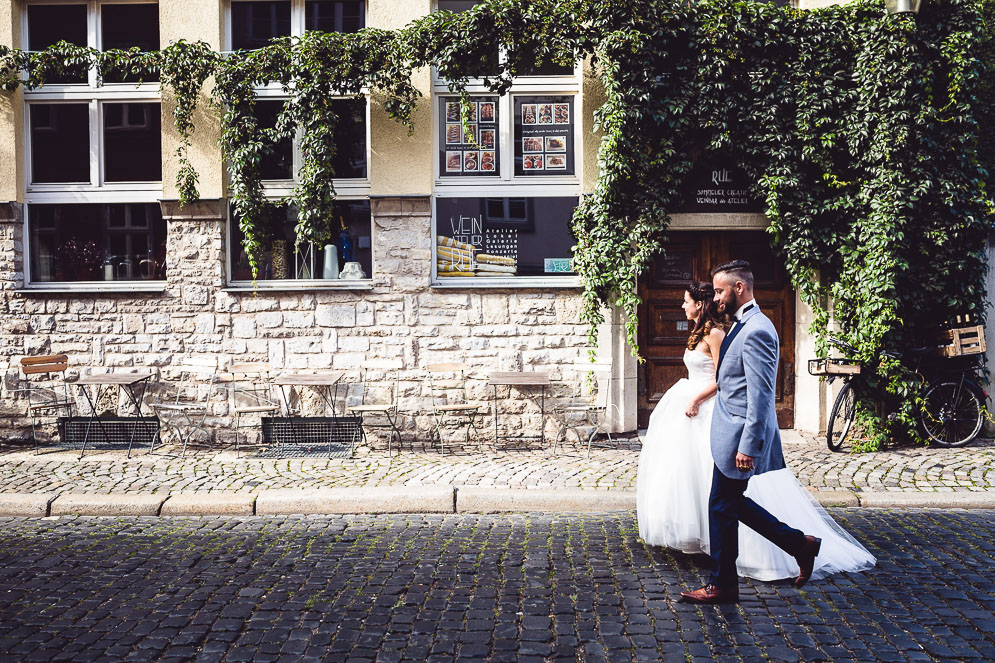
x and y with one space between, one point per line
675 478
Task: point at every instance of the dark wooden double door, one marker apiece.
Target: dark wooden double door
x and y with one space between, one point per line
663 328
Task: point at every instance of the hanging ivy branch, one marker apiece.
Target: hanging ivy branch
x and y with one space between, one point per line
184 67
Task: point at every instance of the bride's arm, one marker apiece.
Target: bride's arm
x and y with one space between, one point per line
714 343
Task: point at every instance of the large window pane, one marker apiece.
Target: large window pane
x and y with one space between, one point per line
132 143
503 237
60 143
48 24
253 24
277 164
332 16
488 64
128 25
125 242
347 232
350 139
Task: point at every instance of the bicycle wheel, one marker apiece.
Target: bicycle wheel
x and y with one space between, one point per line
952 414
840 426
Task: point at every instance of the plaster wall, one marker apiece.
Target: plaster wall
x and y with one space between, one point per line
401 164
193 20
11 112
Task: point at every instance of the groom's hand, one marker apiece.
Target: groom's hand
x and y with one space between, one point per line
744 463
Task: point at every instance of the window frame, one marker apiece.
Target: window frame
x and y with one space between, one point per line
94 92
345 188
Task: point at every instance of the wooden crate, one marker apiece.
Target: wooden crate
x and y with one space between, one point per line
833 367
962 341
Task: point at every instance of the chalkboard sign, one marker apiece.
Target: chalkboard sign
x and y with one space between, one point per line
473 153
544 135
503 237
716 184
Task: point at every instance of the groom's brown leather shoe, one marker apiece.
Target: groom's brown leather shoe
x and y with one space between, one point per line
711 594
806 559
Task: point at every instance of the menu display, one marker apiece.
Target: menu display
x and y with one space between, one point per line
503 237
544 131
469 151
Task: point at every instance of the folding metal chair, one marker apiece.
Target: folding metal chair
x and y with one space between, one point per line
51 399
186 404
378 399
587 405
252 396
450 406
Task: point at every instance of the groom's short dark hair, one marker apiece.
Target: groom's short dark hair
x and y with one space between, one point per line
740 269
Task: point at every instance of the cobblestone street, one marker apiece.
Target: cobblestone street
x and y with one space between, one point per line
498 588
904 469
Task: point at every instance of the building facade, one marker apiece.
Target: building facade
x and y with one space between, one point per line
100 262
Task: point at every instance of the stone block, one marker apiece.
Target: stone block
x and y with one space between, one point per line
476 499
25 504
336 315
392 499
209 504
120 504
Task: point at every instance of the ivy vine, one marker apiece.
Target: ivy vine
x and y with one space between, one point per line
860 131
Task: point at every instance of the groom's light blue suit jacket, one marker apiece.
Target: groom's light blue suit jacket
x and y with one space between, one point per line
744 419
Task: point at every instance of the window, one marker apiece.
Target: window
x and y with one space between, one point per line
345 238
253 23
94 242
496 239
94 152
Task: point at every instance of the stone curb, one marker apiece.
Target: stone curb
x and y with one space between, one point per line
476 499
209 504
416 499
387 499
120 504
25 504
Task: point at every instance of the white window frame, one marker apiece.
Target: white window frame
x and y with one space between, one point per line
94 93
345 188
507 184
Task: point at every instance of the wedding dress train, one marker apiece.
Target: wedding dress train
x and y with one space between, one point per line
675 477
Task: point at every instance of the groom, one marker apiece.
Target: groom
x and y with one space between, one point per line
745 439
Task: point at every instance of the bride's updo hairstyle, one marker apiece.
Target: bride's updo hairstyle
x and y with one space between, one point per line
709 318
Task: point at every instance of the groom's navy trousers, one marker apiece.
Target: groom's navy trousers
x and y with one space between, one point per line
727 507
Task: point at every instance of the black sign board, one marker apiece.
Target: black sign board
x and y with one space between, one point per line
544 135
504 237
716 184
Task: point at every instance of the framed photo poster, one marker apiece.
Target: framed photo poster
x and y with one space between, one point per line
544 135
472 153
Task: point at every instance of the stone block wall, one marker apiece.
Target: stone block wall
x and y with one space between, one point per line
196 315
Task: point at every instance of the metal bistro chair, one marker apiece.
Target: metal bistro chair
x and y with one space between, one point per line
251 396
53 399
450 407
186 404
586 406
378 399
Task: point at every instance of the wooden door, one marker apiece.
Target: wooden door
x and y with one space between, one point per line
663 329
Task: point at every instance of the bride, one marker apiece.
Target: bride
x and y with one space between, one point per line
675 471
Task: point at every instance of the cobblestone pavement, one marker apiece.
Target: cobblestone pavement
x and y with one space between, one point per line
522 588
909 469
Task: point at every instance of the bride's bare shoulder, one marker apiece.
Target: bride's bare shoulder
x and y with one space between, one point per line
717 332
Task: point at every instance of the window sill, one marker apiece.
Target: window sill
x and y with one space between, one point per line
478 283
298 285
92 286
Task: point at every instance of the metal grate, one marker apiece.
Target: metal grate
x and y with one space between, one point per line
107 433
296 437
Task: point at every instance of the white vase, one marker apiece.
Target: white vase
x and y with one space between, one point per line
331 268
352 270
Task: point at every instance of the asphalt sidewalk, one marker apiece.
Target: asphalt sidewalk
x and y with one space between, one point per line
489 480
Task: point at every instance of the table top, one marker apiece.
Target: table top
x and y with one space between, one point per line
518 378
123 379
326 379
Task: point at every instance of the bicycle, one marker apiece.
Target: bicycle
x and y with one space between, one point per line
953 404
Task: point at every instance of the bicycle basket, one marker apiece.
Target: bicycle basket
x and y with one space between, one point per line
833 367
